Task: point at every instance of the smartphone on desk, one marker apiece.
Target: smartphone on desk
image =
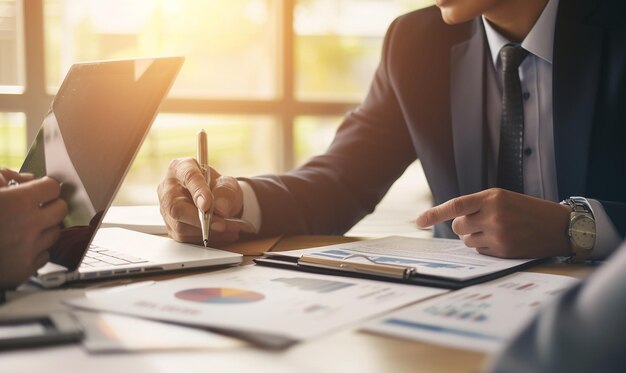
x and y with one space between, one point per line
50 329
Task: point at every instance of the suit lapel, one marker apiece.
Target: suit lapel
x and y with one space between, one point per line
577 58
466 98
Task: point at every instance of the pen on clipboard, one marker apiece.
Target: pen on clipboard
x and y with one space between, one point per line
203 161
372 268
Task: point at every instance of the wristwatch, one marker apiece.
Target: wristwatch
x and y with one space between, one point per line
582 228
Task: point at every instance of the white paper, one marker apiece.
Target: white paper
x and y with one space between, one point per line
480 317
116 333
429 256
21 330
254 299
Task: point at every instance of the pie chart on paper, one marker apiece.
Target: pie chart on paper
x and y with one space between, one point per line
219 295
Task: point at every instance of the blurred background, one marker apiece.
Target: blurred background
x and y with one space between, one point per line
268 79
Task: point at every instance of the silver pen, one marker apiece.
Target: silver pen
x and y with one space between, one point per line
203 162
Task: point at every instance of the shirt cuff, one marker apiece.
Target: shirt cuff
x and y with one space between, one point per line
251 208
607 238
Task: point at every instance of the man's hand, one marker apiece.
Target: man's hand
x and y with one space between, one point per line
7 175
505 224
30 214
184 190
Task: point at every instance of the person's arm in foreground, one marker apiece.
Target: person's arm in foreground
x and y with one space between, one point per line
584 330
30 213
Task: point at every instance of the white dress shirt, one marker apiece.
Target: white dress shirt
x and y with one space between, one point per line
536 78
539 166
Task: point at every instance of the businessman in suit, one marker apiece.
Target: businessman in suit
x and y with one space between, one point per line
510 105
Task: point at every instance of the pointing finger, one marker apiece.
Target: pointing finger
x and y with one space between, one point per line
451 209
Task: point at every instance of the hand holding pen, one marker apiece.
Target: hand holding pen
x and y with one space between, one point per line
187 196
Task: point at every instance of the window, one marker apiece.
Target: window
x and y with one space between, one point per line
12 139
229 46
338 45
11 46
242 145
268 79
312 135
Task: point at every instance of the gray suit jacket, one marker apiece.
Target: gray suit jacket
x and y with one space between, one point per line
426 102
584 330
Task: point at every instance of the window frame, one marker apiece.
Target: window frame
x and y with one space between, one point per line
34 99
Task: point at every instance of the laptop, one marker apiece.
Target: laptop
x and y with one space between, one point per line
88 140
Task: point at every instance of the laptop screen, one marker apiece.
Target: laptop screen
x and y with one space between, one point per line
90 136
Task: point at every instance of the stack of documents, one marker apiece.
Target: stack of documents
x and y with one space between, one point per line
270 306
277 307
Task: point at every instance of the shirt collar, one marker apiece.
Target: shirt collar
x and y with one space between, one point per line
539 41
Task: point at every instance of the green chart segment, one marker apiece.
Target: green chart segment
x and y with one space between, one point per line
219 295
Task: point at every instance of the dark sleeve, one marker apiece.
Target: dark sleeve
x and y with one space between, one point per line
333 191
584 330
617 213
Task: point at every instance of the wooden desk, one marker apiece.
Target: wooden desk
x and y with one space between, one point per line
345 351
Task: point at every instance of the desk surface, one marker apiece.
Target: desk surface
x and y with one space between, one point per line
347 350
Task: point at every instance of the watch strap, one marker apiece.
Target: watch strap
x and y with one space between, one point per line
579 205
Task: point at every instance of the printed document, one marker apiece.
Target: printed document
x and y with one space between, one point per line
449 259
260 300
480 317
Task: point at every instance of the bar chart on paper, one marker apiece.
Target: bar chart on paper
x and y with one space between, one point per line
474 306
478 317
253 299
473 311
316 285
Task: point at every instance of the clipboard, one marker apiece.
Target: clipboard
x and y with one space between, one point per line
380 271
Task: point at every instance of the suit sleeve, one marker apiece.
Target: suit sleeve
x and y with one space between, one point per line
607 236
333 191
617 213
582 331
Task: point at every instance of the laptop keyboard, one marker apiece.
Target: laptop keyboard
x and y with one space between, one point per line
101 257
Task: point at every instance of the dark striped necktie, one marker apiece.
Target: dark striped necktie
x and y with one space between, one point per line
510 158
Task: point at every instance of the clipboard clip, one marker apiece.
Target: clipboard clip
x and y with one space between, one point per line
373 268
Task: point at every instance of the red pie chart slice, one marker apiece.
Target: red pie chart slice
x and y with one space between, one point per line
219 295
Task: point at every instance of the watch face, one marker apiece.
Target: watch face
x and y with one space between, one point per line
583 232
